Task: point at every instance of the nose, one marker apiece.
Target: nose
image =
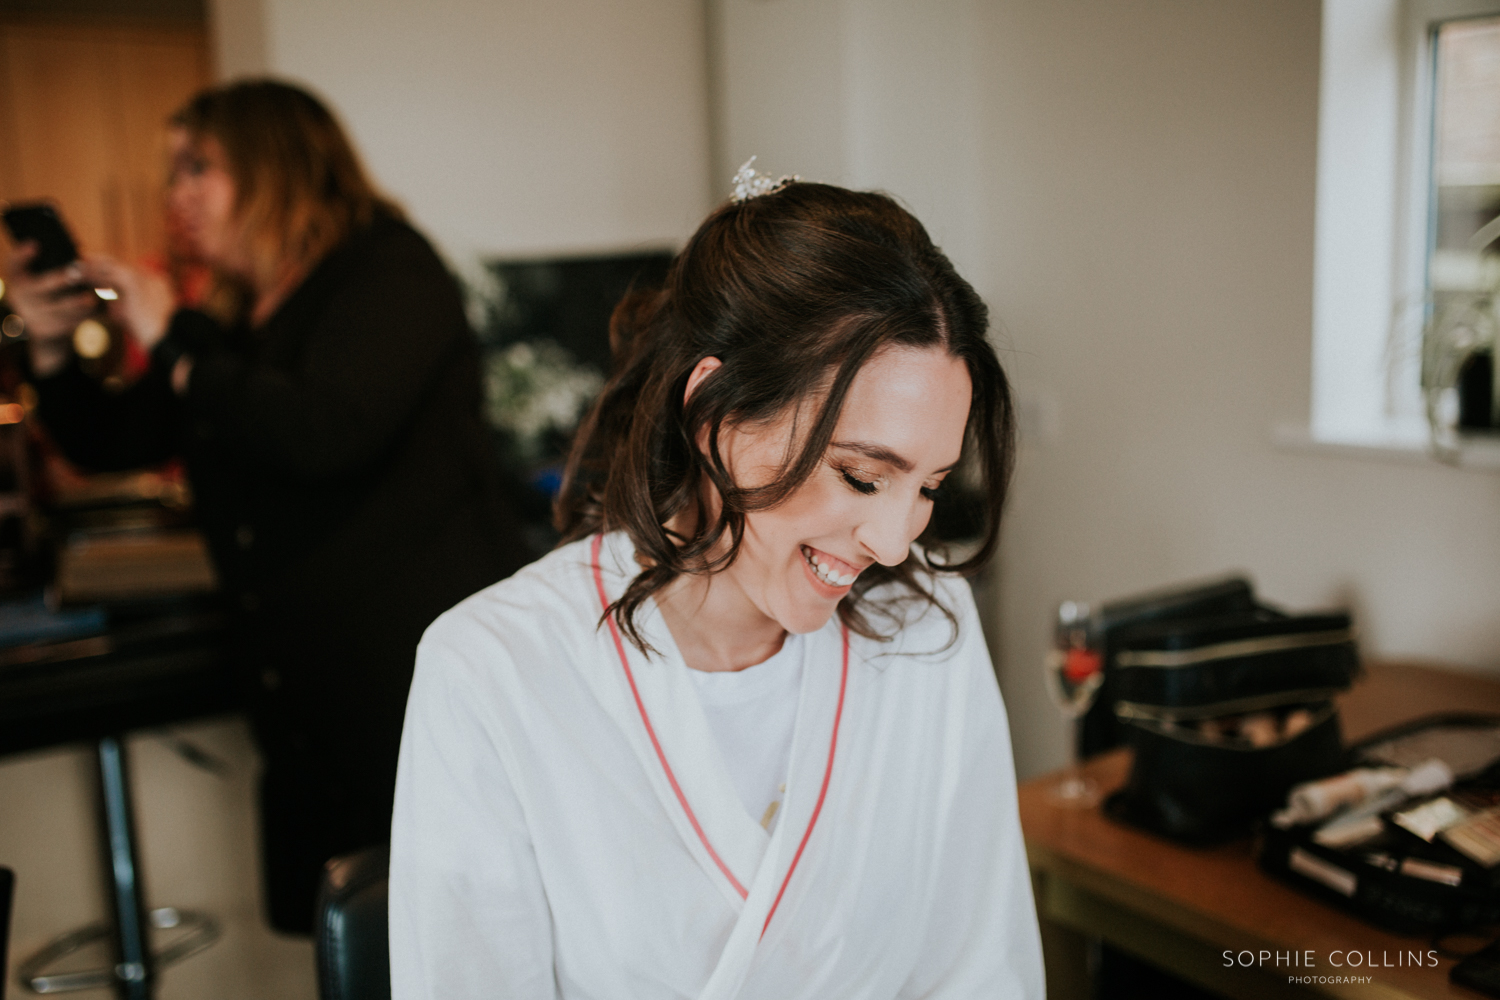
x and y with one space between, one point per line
889 529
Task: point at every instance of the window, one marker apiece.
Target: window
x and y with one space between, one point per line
1409 126
1463 225
1465 179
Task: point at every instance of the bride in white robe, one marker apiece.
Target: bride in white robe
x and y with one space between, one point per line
782 774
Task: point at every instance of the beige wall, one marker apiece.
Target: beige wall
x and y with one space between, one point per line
507 128
1139 213
875 94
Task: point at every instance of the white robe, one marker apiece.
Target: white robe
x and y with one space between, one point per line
540 850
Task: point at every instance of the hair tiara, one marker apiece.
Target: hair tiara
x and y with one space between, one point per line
750 184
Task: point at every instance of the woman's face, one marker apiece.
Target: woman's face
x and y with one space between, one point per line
201 197
900 432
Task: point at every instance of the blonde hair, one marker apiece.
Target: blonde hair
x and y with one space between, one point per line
300 187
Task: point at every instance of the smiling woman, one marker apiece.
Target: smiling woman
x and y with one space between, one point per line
773 312
739 735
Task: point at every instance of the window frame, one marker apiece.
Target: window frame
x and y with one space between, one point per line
1374 228
1418 228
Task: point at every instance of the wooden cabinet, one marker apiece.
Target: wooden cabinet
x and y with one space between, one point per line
83 108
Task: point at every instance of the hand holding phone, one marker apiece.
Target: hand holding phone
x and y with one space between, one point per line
53 291
51 303
38 225
45 284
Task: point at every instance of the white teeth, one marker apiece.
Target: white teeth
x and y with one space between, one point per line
824 573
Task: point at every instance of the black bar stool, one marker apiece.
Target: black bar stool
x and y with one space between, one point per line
133 975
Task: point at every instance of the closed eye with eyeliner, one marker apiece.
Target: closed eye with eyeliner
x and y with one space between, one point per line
870 488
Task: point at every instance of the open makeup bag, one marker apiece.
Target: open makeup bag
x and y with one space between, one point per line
1413 863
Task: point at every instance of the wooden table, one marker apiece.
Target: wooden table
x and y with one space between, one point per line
1181 908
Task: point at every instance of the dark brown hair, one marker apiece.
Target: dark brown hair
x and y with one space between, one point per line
300 188
793 291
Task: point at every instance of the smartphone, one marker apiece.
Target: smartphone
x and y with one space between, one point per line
38 222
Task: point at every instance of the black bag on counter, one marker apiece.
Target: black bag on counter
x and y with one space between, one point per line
1225 714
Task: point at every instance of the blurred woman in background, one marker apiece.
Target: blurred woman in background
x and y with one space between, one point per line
326 400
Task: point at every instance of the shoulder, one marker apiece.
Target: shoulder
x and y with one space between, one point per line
544 613
920 629
937 665
391 234
392 242
384 265
386 278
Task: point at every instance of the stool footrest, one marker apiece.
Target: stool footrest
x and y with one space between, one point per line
199 931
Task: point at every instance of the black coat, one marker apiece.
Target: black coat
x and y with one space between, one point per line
347 488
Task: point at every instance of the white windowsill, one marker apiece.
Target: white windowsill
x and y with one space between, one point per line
1475 455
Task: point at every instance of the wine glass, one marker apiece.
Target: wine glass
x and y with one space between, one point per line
1074 670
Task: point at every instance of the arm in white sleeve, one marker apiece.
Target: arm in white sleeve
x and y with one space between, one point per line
982 938
468 913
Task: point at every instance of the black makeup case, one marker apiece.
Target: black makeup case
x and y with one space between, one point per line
1225 714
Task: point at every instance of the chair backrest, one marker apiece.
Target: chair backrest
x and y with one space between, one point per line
353 955
7 895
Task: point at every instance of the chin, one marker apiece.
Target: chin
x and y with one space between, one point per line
804 623
804 613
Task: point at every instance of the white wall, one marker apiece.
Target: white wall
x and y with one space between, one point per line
507 128
1139 212
872 94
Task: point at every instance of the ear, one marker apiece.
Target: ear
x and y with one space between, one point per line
702 370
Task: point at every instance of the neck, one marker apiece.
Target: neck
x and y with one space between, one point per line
716 626
270 296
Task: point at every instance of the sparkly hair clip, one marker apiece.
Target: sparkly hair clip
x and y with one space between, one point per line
749 184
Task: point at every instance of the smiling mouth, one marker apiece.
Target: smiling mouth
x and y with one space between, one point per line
826 573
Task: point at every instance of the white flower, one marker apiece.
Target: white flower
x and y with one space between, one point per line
531 389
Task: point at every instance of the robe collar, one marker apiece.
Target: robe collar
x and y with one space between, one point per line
681 756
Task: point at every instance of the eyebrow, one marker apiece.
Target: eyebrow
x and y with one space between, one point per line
881 453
